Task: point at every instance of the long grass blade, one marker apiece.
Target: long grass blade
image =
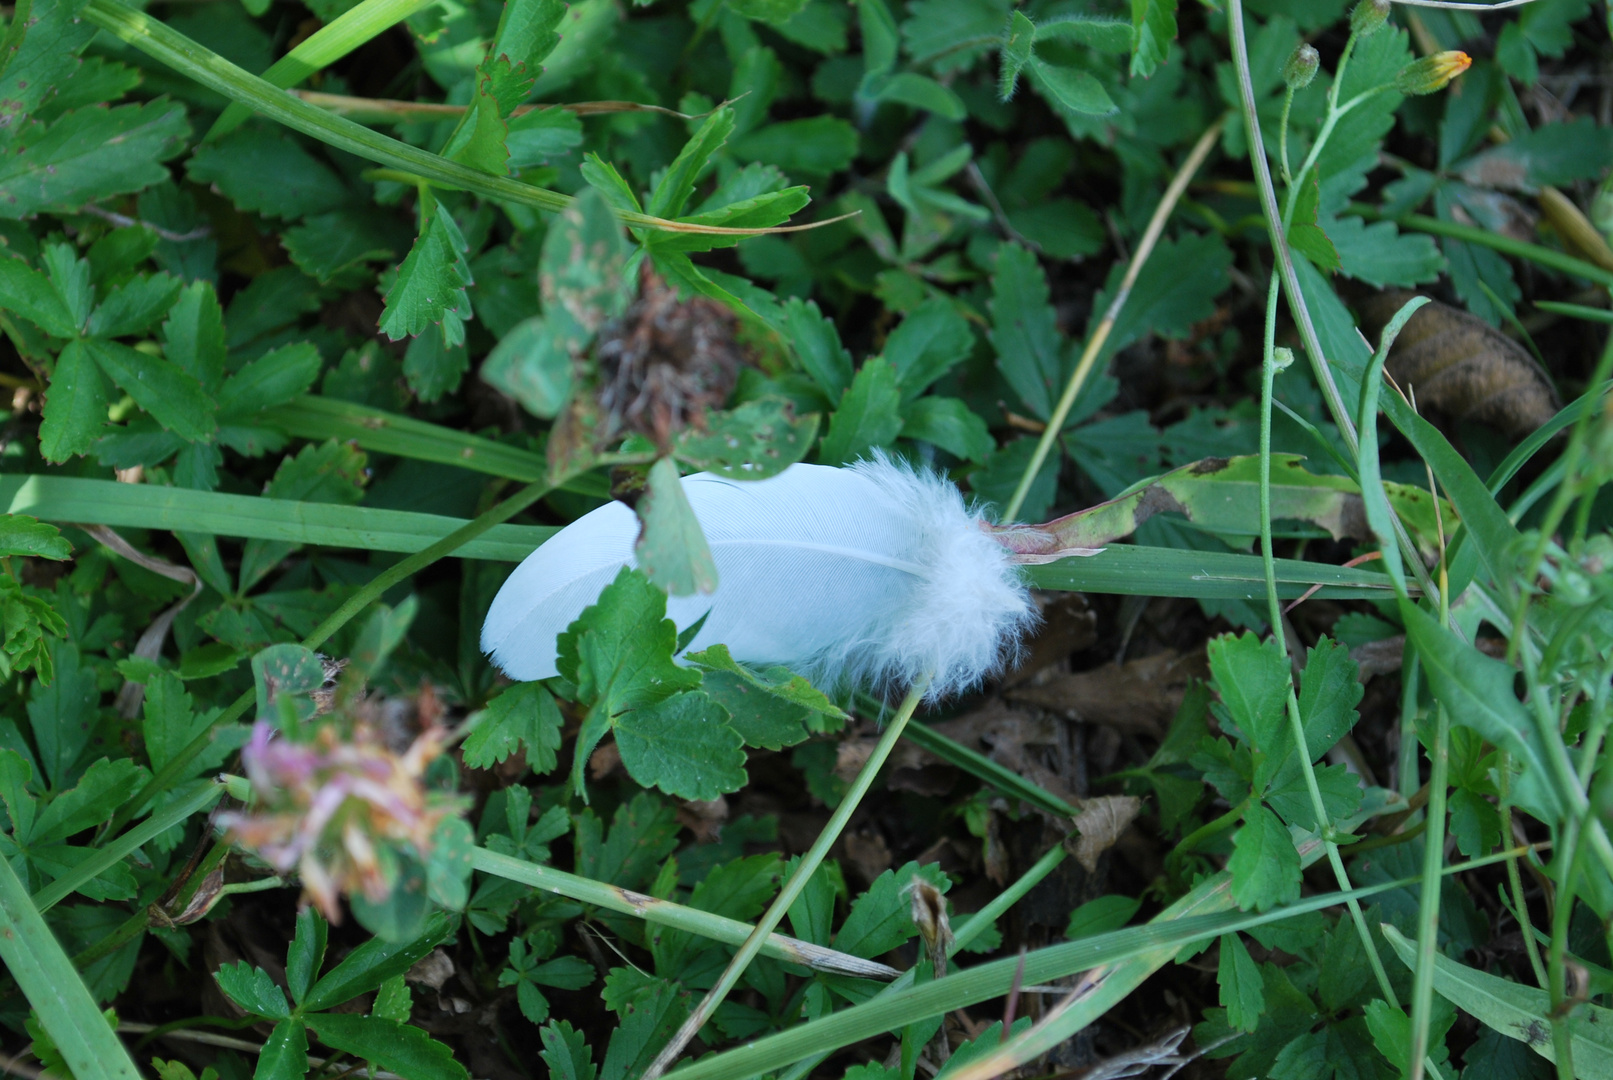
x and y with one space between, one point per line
677 916
48 979
325 46
118 850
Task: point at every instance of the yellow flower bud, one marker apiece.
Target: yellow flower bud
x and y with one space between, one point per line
1432 74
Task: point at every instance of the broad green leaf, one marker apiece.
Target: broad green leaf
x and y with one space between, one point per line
949 424
258 168
538 136
89 155
285 1055
433 367
23 535
817 346
1242 989
171 396
331 246
1305 235
273 379
29 293
868 415
565 1051
814 147
647 1015
1380 254
582 271
252 989
193 335
1073 89
42 55
62 715
1329 691
399 1048
1477 690
373 963
619 656
1517 1011
683 745
918 91
134 306
671 549
1474 823
282 672
927 344
533 364
170 721
430 286
1024 329
393 1001
881 919
1100 916
307 952
1103 34
754 441
1264 864
772 708
105 786
1251 676
525 717
1153 25
527 32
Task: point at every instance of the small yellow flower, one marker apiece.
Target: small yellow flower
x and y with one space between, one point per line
1432 74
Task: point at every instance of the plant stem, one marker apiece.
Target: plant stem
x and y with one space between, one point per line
1422 989
792 888
1100 333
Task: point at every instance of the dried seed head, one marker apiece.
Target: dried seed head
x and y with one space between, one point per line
1301 67
1432 74
665 362
1369 17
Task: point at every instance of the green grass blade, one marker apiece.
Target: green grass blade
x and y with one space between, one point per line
1200 914
1136 570
117 850
677 916
170 47
388 433
325 46
1535 253
1527 449
53 987
106 502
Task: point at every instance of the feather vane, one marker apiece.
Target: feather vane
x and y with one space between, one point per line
874 574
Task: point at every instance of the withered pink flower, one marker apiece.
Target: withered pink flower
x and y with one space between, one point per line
331 809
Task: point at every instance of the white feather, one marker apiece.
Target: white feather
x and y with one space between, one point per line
875 574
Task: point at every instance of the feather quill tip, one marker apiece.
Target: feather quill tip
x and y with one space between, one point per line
875 575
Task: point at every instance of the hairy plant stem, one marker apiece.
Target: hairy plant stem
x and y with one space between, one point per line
1285 259
1100 333
804 870
1324 826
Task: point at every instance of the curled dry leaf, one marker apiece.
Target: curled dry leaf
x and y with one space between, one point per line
929 909
1140 695
1462 366
1101 822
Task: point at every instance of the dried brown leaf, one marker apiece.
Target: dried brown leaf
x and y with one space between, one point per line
1141 695
1462 366
1101 822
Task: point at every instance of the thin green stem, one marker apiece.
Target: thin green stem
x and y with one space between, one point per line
1567 861
804 870
1282 137
1100 333
1422 988
1515 877
1202 833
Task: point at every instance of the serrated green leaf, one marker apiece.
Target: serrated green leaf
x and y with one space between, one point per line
331 245
252 989
374 962
1243 992
1024 329
30 294
949 424
134 306
1251 675
259 169
24 535
814 147
1264 863
683 745
868 416
273 379
524 716
565 1051
88 155
75 405
817 346
193 335
672 193
927 344
771 709
1380 254
1305 235
431 283
307 952
170 395
881 919
399 1048
1153 27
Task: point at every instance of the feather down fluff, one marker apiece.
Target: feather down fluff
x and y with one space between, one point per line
875 574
